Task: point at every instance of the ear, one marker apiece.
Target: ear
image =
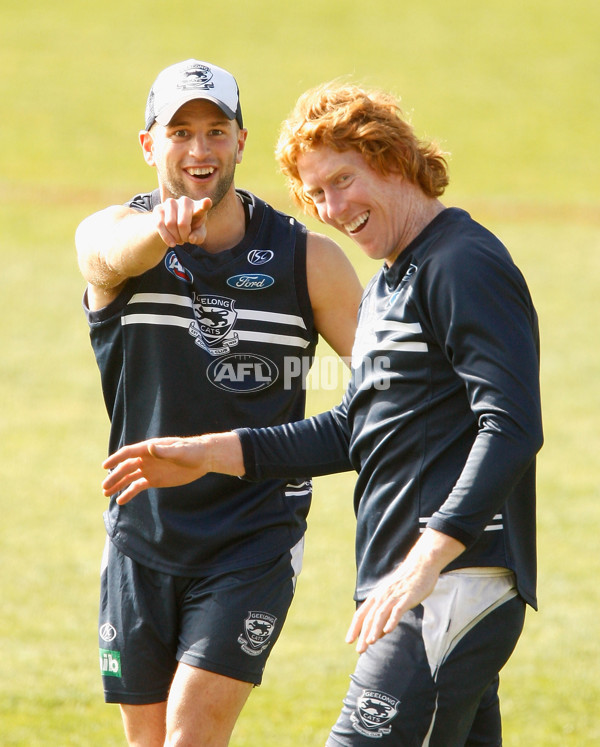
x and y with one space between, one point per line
241 143
147 143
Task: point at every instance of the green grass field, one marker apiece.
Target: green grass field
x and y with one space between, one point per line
511 90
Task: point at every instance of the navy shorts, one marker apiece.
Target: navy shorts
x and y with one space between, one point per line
433 681
149 621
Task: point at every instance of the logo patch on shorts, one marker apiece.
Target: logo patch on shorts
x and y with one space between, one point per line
258 628
374 712
110 663
107 632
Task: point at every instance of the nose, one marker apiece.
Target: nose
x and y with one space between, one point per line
199 145
334 205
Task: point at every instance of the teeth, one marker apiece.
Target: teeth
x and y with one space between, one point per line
206 171
357 222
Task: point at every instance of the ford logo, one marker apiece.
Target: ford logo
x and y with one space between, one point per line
242 373
250 281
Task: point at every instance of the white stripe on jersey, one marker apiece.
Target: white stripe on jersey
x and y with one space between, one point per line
160 319
296 342
269 316
367 342
297 493
389 325
497 526
401 338
297 489
180 321
248 335
172 298
176 300
408 347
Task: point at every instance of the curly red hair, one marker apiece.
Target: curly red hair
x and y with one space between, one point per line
348 117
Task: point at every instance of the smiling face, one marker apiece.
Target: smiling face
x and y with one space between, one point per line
195 155
374 210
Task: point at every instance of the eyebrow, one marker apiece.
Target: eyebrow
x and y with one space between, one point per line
309 191
183 121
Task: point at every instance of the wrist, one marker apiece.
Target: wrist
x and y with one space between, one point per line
223 453
436 549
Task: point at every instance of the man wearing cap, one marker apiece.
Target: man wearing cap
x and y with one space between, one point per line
202 300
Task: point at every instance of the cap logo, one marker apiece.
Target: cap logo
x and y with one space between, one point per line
192 79
199 77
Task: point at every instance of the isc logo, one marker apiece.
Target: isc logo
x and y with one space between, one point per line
242 373
110 663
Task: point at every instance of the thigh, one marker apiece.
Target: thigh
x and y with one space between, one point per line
486 728
229 626
392 693
468 709
138 631
423 683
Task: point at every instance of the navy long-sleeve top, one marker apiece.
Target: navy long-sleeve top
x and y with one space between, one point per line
442 418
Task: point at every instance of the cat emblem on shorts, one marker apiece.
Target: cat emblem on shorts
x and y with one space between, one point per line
374 711
258 628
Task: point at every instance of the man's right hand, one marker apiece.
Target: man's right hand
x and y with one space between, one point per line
120 242
168 462
182 221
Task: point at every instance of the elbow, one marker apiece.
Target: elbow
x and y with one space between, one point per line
531 442
537 444
536 434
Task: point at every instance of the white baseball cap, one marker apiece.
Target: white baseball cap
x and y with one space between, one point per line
189 80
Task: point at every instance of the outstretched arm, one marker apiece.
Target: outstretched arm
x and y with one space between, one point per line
166 462
316 446
119 242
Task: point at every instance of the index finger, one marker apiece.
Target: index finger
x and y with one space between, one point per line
125 452
358 620
197 233
201 207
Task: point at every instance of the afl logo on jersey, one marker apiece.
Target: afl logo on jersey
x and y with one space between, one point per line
242 373
250 281
260 256
175 267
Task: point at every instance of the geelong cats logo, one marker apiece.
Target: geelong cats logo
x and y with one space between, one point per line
199 76
258 628
374 712
212 328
